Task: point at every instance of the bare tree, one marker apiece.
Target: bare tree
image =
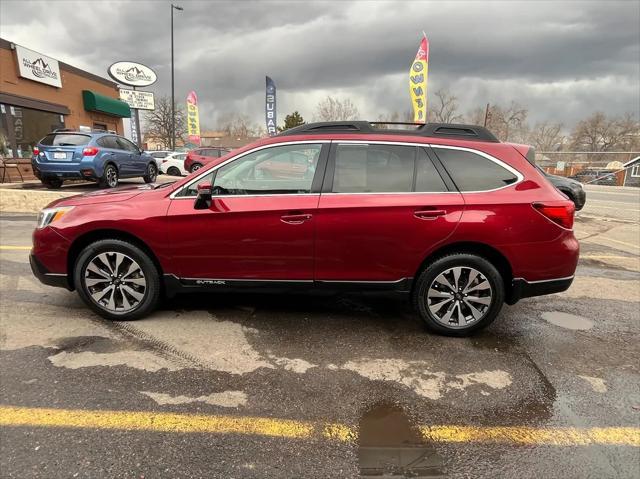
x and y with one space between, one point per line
158 122
601 133
546 136
238 125
445 108
507 123
336 109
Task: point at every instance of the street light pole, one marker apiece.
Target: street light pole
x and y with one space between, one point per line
173 93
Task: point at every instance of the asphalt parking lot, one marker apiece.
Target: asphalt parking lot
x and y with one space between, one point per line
327 386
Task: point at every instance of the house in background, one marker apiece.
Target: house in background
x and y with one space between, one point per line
632 172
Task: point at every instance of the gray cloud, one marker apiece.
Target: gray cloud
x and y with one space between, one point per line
561 59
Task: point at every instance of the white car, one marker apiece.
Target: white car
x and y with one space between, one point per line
159 155
173 164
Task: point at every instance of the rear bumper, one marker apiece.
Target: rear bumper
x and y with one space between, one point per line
46 277
522 288
82 170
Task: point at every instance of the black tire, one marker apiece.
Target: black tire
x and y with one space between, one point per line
52 183
151 276
109 177
152 173
173 171
443 264
195 167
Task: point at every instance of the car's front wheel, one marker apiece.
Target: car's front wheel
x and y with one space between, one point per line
152 173
458 294
117 280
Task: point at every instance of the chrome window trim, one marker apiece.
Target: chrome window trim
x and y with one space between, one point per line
519 176
172 196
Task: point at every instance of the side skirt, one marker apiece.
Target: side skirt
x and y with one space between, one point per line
174 285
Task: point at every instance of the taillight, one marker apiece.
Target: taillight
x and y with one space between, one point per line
90 151
36 151
559 213
164 161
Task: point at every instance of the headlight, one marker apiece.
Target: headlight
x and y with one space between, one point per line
49 215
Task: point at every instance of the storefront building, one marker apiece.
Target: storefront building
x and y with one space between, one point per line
39 94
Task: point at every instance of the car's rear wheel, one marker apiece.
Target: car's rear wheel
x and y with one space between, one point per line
117 280
173 171
152 173
195 167
52 183
109 177
458 294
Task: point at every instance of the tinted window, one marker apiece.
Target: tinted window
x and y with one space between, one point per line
65 139
427 177
126 145
108 142
192 189
373 168
159 154
472 172
278 170
211 153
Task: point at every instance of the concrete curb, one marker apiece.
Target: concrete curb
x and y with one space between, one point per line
28 201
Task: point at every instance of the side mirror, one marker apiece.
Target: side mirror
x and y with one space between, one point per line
203 200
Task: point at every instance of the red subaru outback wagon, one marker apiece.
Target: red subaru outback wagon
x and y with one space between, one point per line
445 213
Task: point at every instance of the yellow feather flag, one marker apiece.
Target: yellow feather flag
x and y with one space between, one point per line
418 82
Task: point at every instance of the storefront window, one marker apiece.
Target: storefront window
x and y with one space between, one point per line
21 128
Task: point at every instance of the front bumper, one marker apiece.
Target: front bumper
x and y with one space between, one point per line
522 288
59 280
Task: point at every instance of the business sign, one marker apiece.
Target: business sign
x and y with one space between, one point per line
193 118
139 100
270 107
38 67
132 74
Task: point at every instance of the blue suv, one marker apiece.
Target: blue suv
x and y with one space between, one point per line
101 156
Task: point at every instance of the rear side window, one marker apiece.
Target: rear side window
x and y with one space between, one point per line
159 154
126 145
65 139
108 142
211 153
373 168
472 172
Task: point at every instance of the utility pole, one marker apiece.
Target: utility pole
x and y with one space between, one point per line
486 115
173 93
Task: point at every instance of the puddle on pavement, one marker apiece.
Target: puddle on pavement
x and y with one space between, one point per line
390 447
568 321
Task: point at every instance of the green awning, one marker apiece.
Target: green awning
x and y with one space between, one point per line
96 102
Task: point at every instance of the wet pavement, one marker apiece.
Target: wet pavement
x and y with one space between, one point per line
354 384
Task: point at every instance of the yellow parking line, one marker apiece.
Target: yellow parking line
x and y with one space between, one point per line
613 436
596 256
15 248
287 428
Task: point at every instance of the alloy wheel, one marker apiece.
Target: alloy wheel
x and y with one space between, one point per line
152 173
459 297
112 177
115 282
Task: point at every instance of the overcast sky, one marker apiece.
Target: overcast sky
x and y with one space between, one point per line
562 60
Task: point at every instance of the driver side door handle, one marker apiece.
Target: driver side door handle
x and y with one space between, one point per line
295 218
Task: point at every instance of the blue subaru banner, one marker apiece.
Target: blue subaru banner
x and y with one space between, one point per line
270 107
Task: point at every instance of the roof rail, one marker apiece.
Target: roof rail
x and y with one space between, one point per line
433 130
